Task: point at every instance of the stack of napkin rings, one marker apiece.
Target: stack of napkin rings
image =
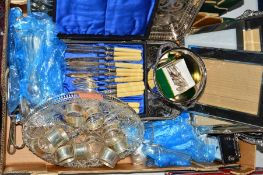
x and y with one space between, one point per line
104 142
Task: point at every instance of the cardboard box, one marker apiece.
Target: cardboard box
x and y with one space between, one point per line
23 161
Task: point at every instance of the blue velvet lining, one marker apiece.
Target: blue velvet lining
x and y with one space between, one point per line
104 17
69 86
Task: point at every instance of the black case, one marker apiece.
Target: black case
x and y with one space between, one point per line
157 34
93 39
249 22
242 56
160 35
229 148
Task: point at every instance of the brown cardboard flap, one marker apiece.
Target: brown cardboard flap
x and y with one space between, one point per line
25 161
248 155
3 89
120 168
243 171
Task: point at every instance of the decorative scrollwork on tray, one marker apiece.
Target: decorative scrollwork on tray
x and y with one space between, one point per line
250 13
42 6
156 105
174 19
160 108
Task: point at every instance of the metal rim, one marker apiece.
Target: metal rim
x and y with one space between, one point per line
189 103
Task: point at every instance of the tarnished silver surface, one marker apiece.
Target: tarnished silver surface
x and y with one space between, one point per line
58 142
250 13
80 151
41 6
95 121
138 158
157 106
249 138
109 157
35 146
57 137
121 147
75 121
94 148
174 19
112 136
74 115
65 154
74 110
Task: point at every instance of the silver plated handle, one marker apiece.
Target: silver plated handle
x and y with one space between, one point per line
11 144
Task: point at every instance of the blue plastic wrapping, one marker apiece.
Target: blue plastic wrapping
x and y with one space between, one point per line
164 157
178 136
13 85
37 56
13 89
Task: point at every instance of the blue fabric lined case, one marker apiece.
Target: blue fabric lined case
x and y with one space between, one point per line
114 20
68 83
104 17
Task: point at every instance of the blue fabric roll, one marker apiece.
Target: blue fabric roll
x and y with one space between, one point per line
104 17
